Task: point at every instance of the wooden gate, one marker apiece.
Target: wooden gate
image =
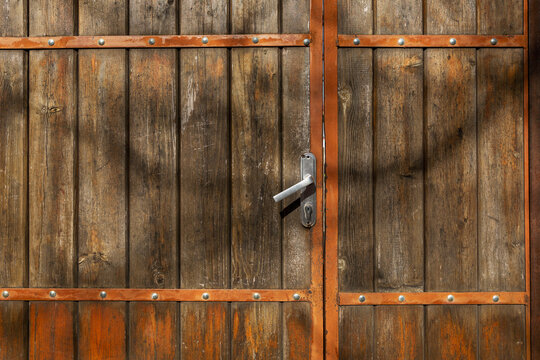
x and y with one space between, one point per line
427 251
136 184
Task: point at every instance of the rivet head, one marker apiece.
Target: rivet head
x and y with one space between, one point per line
155 296
450 298
256 296
101 42
307 42
52 293
296 297
493 41
152 41
255 40
356 41
206 296
5 293
205 40
401 298
495 298
103 294
401 41
50 42
362 298
453 41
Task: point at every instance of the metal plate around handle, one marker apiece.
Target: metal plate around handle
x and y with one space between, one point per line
308 197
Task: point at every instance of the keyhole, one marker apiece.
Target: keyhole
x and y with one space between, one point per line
308 210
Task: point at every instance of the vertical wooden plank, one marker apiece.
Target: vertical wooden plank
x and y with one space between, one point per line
102 181
501 219
153 199
13 181
399 332
355 17
398 17
52 330
356 337
450 17
355 79
451 332
152 17
295 16
500 17
254 16
51 17
204 181
296 331
502 332
398 163
451 183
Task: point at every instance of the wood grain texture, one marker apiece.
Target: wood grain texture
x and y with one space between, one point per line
254 16
451 332
52 152
295 117
102 331
153 331
398 17
155 17
14 20
204 17
355 17
356 339
500 17
295 16
398 167
13 195
52 330
450 17
256 331
296 331
501 219
206 331
103 17
355 81
451 174
501 332
399 332
51 17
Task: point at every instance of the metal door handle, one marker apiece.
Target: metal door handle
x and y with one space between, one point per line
308 197
308 179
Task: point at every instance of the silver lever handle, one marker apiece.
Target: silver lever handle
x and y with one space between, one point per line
308 179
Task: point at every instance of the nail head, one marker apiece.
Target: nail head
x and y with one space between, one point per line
101 41
255 40
256 296
401 298
50 42
5 293
453 41
450 298
206 296
493 41
495 298
103 294
356 41
362 298
155 296
401 41
296 297
52 293
205 40
152 41
307 42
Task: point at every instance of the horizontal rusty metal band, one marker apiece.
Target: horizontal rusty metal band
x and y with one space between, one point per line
427 41
104 294
434 298
151 41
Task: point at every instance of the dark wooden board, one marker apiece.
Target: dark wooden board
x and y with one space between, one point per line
501 332
501 218
356 246
296 331
356 338
399 332
500 16
52 330
451 170
14 330
398 166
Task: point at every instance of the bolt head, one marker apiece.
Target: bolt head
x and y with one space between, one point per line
356 41
155 296
307 42
401 41
5 293
255 40
103 294
362 298
493 41
401 298
205 40
101 42
50 42
495 298
296 297
453 41
256 296
206 296
152 41
52 293
450 298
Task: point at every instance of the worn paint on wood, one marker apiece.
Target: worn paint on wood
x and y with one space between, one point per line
399 332
52 330
356 332
501 332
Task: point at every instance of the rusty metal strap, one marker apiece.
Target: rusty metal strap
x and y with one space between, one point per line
434 298
427 41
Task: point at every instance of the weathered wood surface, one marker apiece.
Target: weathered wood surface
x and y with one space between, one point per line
52 330
356 332
501 332
399 332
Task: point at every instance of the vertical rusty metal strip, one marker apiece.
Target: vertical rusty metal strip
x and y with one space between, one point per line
331 130
316 139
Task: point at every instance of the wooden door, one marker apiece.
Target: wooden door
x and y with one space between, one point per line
427 157
141 143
